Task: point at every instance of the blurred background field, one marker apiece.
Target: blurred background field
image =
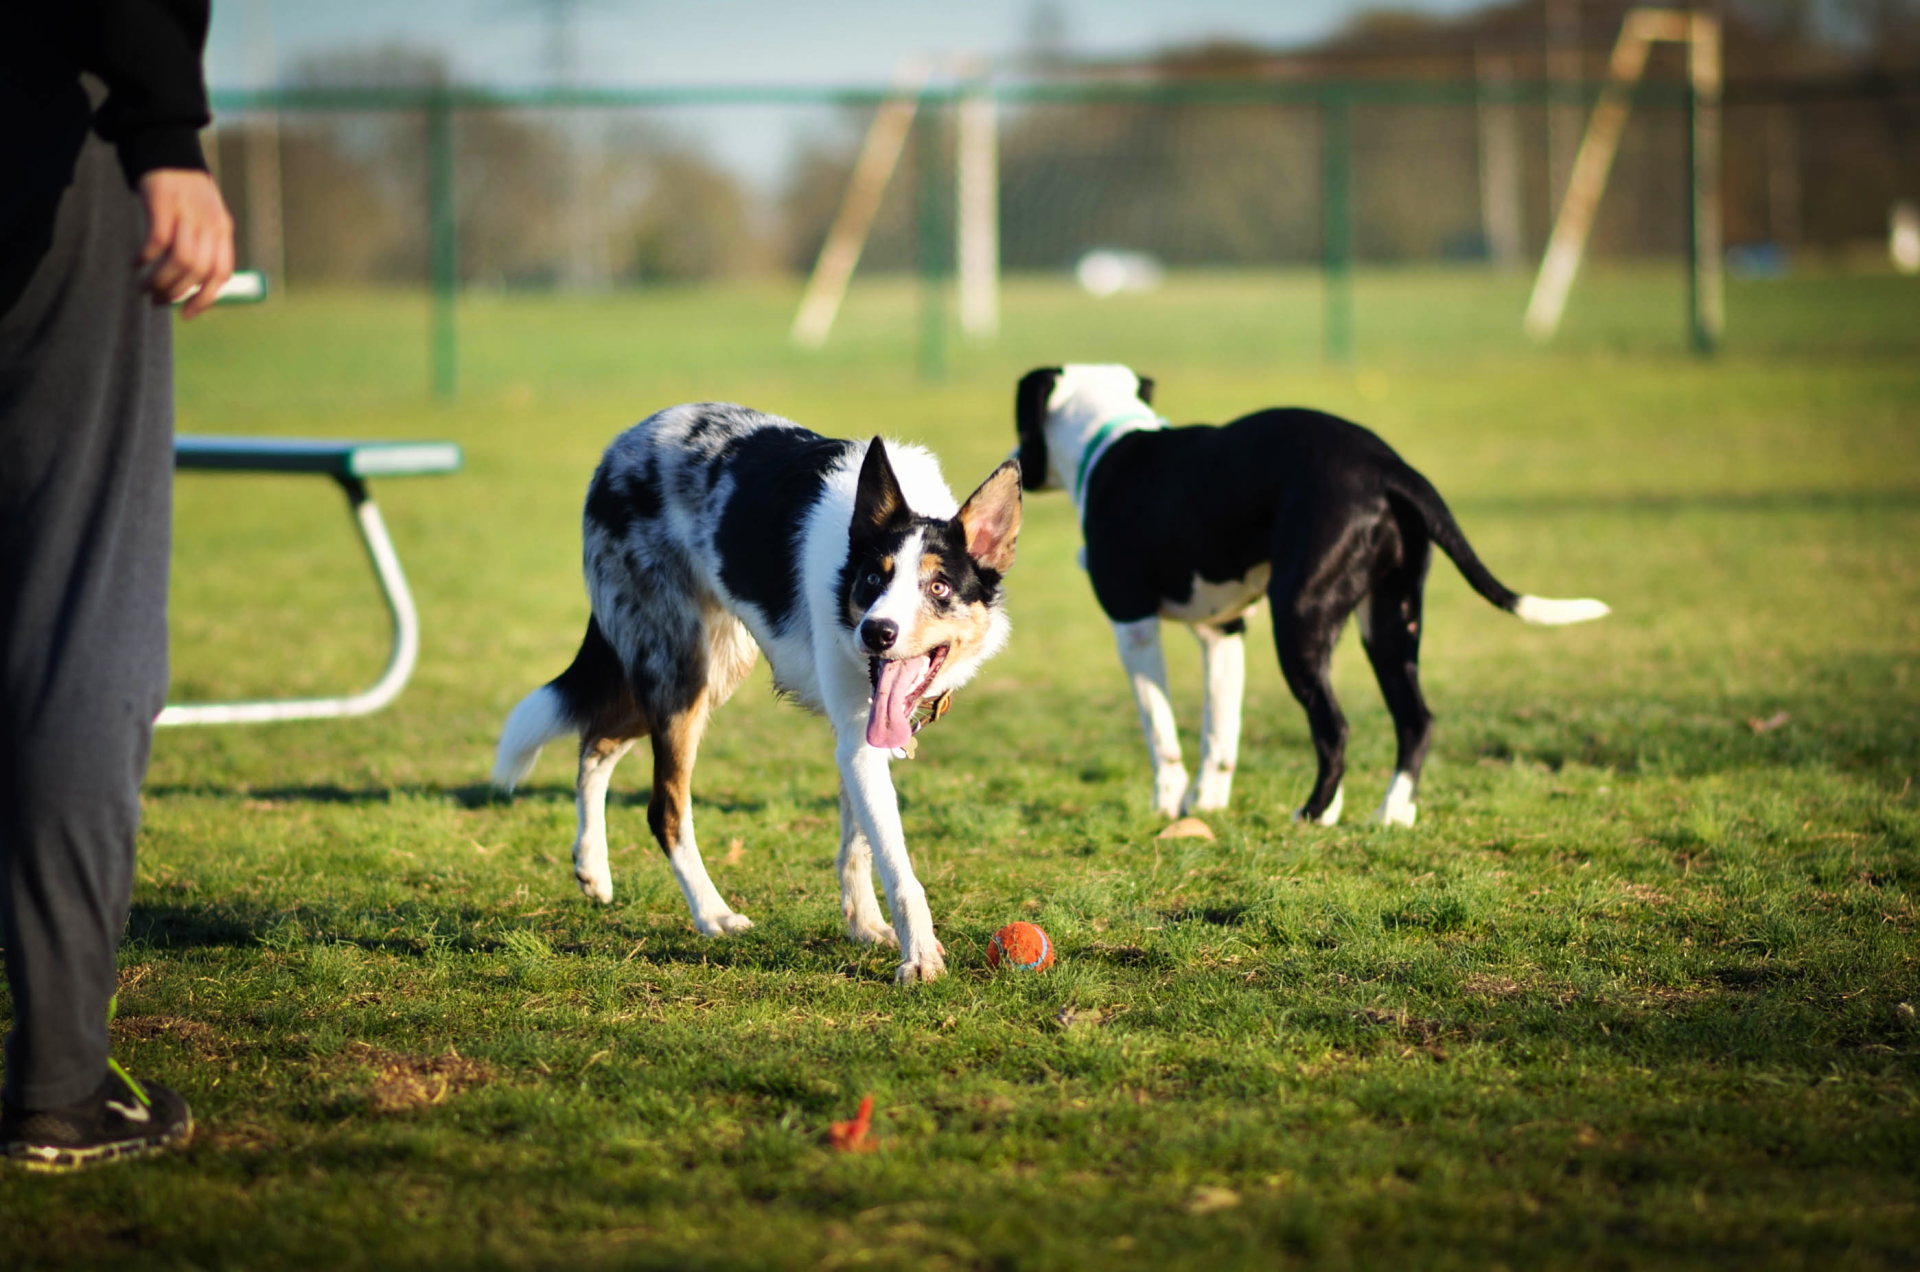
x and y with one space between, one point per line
1807 413
1639 988
1632 989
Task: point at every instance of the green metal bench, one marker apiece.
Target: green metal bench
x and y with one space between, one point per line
351 464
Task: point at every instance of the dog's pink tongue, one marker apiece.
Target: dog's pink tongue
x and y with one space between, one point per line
888 724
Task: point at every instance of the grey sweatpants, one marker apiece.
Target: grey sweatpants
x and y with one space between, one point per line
86 480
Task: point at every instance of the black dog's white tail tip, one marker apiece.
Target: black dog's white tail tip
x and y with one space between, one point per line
539 719
1548 612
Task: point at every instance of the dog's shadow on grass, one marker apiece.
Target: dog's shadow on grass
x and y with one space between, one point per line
234 923
470 795
430 929
467 795
1766 502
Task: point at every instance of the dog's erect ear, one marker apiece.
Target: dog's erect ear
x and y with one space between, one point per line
877 501
1030 422
991 518
1146 388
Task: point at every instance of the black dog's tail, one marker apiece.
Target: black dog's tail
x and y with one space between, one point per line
1419 494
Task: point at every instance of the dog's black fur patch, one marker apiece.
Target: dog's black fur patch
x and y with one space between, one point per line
759 535
1030 420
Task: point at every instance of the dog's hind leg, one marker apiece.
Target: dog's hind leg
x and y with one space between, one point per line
676 740
1315 586
679 706
1223 653
1390 620
1146 666
865 923
593 697
602 743
1306 655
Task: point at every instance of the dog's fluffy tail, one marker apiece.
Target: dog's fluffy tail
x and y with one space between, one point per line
541 717
1418 492
558 707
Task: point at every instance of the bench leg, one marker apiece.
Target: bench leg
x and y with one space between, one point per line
406 642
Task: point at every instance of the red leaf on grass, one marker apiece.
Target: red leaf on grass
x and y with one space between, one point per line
851 1137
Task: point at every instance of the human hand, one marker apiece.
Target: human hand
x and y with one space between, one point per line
190 234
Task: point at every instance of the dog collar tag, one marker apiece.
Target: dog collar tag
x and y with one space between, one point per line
935 709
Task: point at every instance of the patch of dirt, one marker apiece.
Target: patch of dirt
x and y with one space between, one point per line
235 1137
1664 995
403 1082
196 1036
1492 986
1424 1033
1076 1017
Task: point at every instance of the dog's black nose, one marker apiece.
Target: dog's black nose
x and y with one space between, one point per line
879 633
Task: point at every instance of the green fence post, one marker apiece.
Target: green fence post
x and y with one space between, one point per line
934 234
443 258
1706 294
1336 224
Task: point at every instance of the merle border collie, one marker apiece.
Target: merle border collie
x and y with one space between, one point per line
1198 524
710 530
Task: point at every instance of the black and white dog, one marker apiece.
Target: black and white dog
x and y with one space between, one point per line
1197 524
710 529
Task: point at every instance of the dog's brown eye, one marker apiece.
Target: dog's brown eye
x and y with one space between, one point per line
939 590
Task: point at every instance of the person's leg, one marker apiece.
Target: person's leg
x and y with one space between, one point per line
86 473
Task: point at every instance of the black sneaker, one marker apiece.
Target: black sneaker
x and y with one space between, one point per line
122 1118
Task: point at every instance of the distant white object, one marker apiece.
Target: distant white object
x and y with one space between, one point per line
977 192
1105 272
1903 237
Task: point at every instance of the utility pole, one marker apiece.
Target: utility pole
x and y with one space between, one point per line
1565 117
1501 218
586 265
266 238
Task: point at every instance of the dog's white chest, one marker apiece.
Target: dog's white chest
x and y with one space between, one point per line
1218 602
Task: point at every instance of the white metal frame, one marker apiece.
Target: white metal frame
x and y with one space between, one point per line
406 642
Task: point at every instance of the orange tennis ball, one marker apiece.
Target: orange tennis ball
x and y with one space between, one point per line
1021 946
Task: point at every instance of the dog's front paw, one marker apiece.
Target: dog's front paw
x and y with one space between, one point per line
597 885
723 924
871 932
1210 791
925 966
1169 789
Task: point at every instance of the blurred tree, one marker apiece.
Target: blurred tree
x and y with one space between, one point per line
689 220
816 184
356 190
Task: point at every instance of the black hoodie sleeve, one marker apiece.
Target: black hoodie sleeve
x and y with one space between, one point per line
149 53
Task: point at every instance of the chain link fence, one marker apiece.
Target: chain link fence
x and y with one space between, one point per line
593 191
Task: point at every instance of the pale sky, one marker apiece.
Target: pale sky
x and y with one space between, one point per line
651 43
648 42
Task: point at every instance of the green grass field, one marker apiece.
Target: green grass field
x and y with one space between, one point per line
1638 990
